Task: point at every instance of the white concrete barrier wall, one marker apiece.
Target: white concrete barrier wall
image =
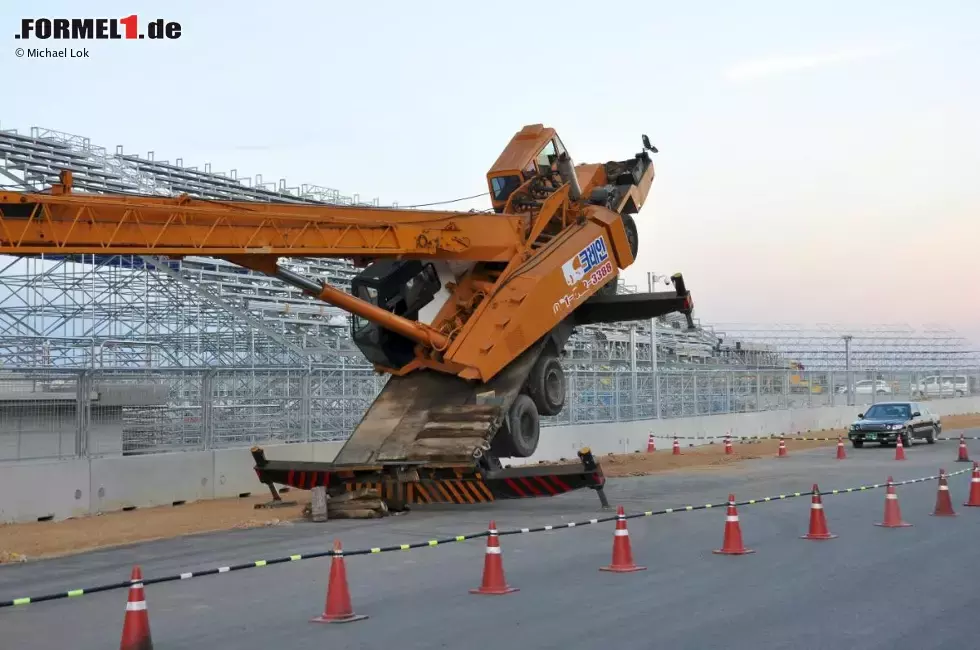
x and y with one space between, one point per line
31 490
619 437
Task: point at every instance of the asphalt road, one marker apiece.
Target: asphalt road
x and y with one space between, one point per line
871 588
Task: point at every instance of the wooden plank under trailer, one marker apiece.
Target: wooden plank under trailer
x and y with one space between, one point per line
408 484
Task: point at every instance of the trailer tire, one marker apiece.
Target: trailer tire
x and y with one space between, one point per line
547 385
523 426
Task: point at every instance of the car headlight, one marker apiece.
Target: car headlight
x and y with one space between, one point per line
895 427
854 427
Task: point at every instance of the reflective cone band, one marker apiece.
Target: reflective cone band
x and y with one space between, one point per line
944 504
651 445
964 456
622 553
840 449
677 447
732 544
337 608
818 521
782 448
728 446
899 448
494 583
974 500
893 514
136 624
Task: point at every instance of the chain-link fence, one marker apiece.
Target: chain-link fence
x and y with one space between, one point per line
65 414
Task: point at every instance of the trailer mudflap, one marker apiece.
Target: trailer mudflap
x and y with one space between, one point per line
407 484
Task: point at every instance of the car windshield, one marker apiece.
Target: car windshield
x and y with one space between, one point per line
888 412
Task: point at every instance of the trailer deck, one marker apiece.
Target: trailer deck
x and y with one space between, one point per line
420 483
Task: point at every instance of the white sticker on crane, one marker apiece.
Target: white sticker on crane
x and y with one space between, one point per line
585 261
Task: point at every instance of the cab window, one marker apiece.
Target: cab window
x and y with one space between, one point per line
542 159
503 186
559 147
530 171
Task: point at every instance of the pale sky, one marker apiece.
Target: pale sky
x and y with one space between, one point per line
818 161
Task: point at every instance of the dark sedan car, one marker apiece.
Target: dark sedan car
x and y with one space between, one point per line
885 421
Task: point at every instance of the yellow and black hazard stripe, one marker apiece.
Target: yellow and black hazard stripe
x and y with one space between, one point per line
457 490
434 490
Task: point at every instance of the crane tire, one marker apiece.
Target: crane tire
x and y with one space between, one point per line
500 445
524 426
547 385
632 234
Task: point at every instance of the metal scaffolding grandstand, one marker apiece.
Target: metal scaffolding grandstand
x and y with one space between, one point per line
826 346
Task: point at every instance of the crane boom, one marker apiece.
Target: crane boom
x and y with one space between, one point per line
64 223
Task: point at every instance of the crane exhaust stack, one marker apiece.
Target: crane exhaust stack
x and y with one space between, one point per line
566 170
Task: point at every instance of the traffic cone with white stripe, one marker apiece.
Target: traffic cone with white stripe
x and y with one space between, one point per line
494 583
818 521
732 544
840 448
974 500
893 513
728 446
136 625
964 456
899 448
677 447
782 448
651 445
944 504
337 608
622 553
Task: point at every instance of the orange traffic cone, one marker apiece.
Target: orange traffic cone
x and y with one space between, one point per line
651 445
818 521
677 447
974 500
136 625
494 582
840 448
728 446
337 608
622 554
732 544
899 448
944 504
964 456
893 514
782 448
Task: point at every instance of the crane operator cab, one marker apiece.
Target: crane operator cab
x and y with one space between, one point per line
532 153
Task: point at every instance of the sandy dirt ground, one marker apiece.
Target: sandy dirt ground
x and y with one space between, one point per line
28 541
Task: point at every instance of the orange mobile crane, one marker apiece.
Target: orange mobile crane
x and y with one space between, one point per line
469 312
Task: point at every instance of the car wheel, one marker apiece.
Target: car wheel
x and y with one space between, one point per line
931 438
857 443
907 439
